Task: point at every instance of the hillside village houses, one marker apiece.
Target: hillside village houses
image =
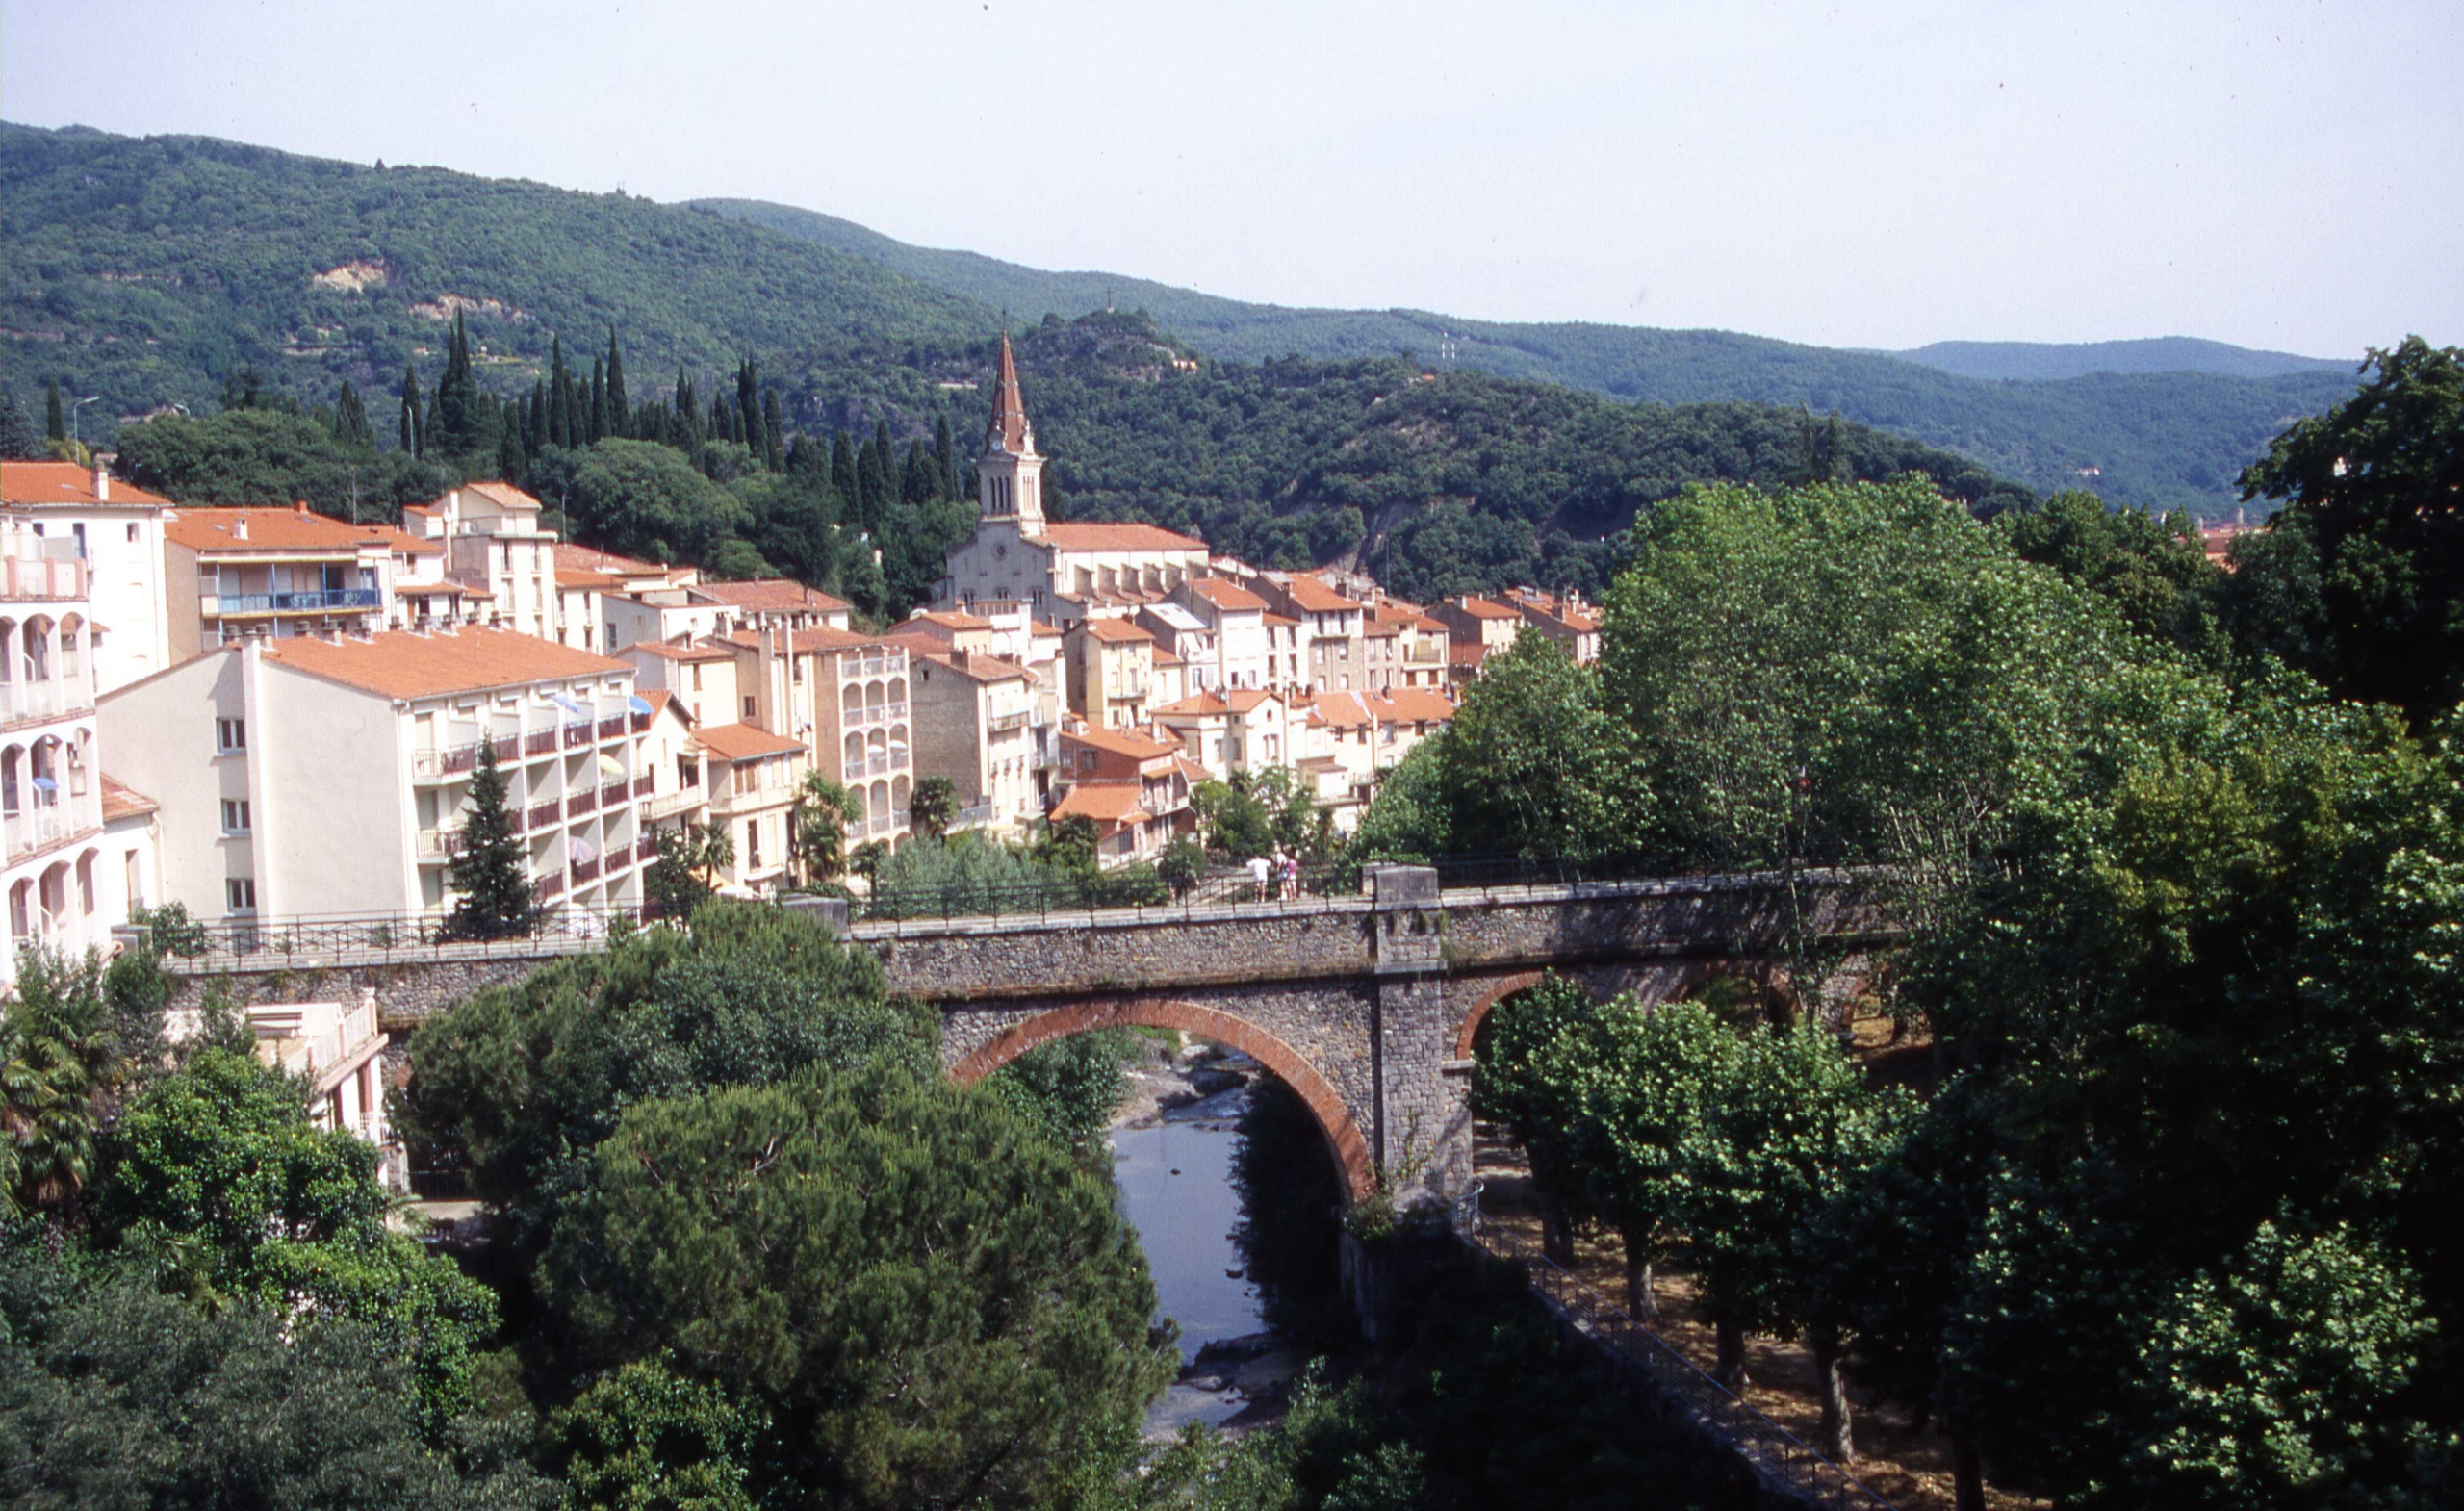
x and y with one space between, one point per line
291 705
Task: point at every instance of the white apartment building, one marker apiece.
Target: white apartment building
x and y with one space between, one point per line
975 723
331 776
754 777
494 544
116 530
65 884
229 573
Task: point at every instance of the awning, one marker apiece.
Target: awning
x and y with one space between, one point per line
581 852
640 705
568 704
45 784
610 765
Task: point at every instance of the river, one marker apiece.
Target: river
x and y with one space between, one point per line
1176 1187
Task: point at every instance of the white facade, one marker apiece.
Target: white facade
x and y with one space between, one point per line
117 530
309 778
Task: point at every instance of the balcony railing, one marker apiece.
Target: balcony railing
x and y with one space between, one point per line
580 803
314 1055
42 826
539 742
545 815
885 824
585 872
1003 723
35 575
580 733
317 601
455 759
970 817
642 786
613 795
46 698
857 668
552 885
646 848
611 727
672 804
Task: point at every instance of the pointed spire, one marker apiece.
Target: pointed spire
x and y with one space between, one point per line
1009 431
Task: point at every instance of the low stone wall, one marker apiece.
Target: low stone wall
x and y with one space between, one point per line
995 958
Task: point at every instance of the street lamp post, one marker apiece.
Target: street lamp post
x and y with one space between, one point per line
73 413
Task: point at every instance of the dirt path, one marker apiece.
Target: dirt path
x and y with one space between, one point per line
1910 1469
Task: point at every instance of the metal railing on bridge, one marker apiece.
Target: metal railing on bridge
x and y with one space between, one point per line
1138 892
267 942
1769 1450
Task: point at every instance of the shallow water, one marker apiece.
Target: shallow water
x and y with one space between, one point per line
1176 1183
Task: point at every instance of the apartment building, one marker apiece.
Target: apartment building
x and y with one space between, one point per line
1112 672
975 719
1241 728
61 874
228 572
1133 788
1419 655
1235 622
1328 632
752 779
1476 629
1562 617
493 545
117 530
332 776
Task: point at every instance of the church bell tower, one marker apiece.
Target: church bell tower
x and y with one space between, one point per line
1009 477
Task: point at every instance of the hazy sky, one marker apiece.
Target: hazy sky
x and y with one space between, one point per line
2286 175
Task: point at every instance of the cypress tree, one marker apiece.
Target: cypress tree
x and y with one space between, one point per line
457 413
350 418
511 465
534 435
945 455
414 424
620 405
842 471
560 415
597 428
774 431
748 407
490 873
53 424
918 483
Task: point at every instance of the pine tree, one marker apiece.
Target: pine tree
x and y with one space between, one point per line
945 455
414 424
53 424
490 874
620 404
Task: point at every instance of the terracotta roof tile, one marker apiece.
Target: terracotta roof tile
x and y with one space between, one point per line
399 664
1317 598
571 557
732 742
1121 742
1118 537
121 800
1225 593
1105 801
772 595
271 529
1415 706
40 483
1119 632
1486 608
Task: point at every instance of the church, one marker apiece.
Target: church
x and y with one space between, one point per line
1062 573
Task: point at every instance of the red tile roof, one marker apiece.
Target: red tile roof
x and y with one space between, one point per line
1118 537
773 595
733 742
1225 593
1105 801
121 800
399 664
1119 632
571 557
1120 742
707 651
1485 608
63 482
1414 706
504 495
272 530
1317 598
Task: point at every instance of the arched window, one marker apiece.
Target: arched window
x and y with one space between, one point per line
21 922
12 781
72 630
44 763
37 640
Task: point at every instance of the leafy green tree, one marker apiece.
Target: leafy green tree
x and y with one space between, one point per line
1531 1053
2155 571
620 402
2274 1383
114 1394
932 806
818 822
640 499
19 440
517 1083
272 456
673 885
1532 765
1181 865
55 425
2374 489
67 1053
645 1437
350 420
1003 1303
1069 1089
490 874
1410 818
219 1170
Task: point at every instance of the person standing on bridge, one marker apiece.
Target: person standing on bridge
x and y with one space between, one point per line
1258 876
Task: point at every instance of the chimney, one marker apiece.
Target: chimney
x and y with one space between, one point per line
240 525
103 483
299 506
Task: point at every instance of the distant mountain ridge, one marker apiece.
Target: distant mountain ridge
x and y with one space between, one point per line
2002 361
2164 423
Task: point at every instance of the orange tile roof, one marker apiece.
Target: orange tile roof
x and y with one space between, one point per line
1043 629
1194 706
271 529
444 585
942 618
772 595
571 557
1465 652
1278 619
980 667
1223 594
1104 802
821 637
64 482
1120 742
504 495
1119 632
1164 658
1317 598
602 581
733 742
1236 699
1118 537
1344 710
400 664
1375 628
708 651
1485 608
121 800
1415 706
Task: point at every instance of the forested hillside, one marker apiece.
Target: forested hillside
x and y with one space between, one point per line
149 271
2108 418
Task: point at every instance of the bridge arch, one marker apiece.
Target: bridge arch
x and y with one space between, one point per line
1335 1122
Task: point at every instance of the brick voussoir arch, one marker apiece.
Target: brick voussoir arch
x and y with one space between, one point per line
1505 987
1326 1104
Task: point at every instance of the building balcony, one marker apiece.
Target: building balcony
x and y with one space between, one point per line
45 825
543 815
581 803
30 573
318 600
645 848
672 804
50 698
974 817
644 785
613 795
585 872
1004 723
855 669
873 713
877 828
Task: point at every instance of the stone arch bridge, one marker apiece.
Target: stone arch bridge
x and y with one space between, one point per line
1366 1006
